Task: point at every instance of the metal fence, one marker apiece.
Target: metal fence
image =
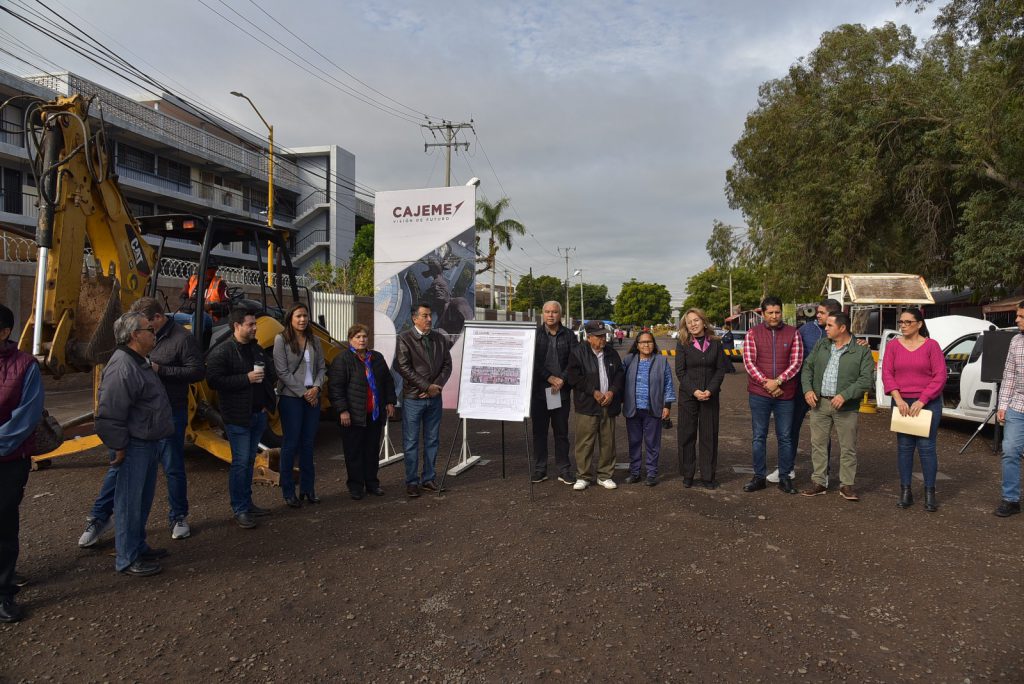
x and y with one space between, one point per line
338 312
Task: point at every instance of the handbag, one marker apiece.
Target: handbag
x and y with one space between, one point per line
48 435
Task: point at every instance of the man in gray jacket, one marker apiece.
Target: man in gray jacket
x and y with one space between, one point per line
132 415
178 362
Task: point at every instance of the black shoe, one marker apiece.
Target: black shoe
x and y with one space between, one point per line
687 482
651 481
377 491
906 497
412 491
141 568
293 502
930 504
258 512
1005 510
567 478
10 611
538 478
246 520
632 479
756 483
311 497
19 580
151 554
428 486
356 494
786 485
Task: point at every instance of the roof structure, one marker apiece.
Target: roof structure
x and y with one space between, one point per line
877 288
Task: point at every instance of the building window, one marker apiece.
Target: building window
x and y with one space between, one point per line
172 170
139 208
10 126
10 190
135 159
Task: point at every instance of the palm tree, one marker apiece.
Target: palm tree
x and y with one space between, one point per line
500 232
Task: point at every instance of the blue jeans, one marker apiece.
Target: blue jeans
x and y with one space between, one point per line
643 431
1013 446
299 422
905 445
172 458
133 498
244 441
417 413
761 410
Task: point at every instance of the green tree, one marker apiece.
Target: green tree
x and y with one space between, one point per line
361 261
531 292
331 278
642 303
706 290
499 233
596 302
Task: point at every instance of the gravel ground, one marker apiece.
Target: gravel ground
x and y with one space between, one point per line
485 584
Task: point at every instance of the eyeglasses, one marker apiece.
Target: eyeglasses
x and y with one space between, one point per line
908 322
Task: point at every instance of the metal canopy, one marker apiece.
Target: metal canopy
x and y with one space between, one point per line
877 288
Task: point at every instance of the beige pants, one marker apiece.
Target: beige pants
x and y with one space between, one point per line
602 430
823 417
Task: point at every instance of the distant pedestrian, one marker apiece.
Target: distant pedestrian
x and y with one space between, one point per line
1011 413
423 359
243 376
647 401
772 354
362 393
914 374
553 347
133 415
836 373
178 363
597 379
701 367
619 335
301 371
21 409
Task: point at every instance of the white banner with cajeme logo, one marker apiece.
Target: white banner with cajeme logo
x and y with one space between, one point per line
424 251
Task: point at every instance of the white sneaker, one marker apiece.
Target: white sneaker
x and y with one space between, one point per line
94 529
181 529
608 484
774 476
580 485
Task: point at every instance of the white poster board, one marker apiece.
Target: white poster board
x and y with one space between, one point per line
497 370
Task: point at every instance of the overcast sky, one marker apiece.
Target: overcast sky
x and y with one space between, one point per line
609 125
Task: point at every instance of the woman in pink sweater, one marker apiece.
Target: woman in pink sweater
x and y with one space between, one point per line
913 374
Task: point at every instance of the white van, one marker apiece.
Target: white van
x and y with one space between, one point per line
965 397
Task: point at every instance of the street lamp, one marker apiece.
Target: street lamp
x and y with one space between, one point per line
579 272
270 182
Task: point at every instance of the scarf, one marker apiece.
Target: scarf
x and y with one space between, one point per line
372 400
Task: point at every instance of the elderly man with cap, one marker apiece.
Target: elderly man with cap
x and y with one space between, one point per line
598 381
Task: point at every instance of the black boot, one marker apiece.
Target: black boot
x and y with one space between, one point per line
906 497
930 504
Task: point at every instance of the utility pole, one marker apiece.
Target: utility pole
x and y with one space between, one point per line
448 131
508 288
566 250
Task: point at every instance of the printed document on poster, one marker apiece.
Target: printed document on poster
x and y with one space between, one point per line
497 366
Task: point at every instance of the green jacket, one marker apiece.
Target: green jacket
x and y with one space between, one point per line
856 372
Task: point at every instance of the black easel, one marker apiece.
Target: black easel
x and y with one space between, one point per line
995 433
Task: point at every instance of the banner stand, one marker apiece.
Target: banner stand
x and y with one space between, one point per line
466 460
465 446
388 454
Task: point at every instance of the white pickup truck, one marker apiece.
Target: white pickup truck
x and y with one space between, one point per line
965 397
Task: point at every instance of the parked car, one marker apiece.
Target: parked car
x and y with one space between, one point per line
965 397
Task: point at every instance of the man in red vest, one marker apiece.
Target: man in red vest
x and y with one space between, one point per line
772 355
21 408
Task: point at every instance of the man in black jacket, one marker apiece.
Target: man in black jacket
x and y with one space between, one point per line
424 361
598 382
178 362
244 378
554 345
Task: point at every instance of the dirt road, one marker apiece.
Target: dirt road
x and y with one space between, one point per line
483 584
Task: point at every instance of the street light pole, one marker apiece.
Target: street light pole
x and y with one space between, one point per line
579 272
270 182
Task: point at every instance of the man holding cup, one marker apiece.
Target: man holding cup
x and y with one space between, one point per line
237 369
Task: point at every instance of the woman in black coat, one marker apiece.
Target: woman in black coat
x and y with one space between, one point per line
362 393
700 366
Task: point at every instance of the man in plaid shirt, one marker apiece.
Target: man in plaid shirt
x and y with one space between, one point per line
772 356
1011 414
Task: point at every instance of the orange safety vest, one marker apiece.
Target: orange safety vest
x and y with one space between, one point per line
213 290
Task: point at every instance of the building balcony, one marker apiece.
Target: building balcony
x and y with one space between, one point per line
154 180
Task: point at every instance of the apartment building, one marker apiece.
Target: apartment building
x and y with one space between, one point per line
170 157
